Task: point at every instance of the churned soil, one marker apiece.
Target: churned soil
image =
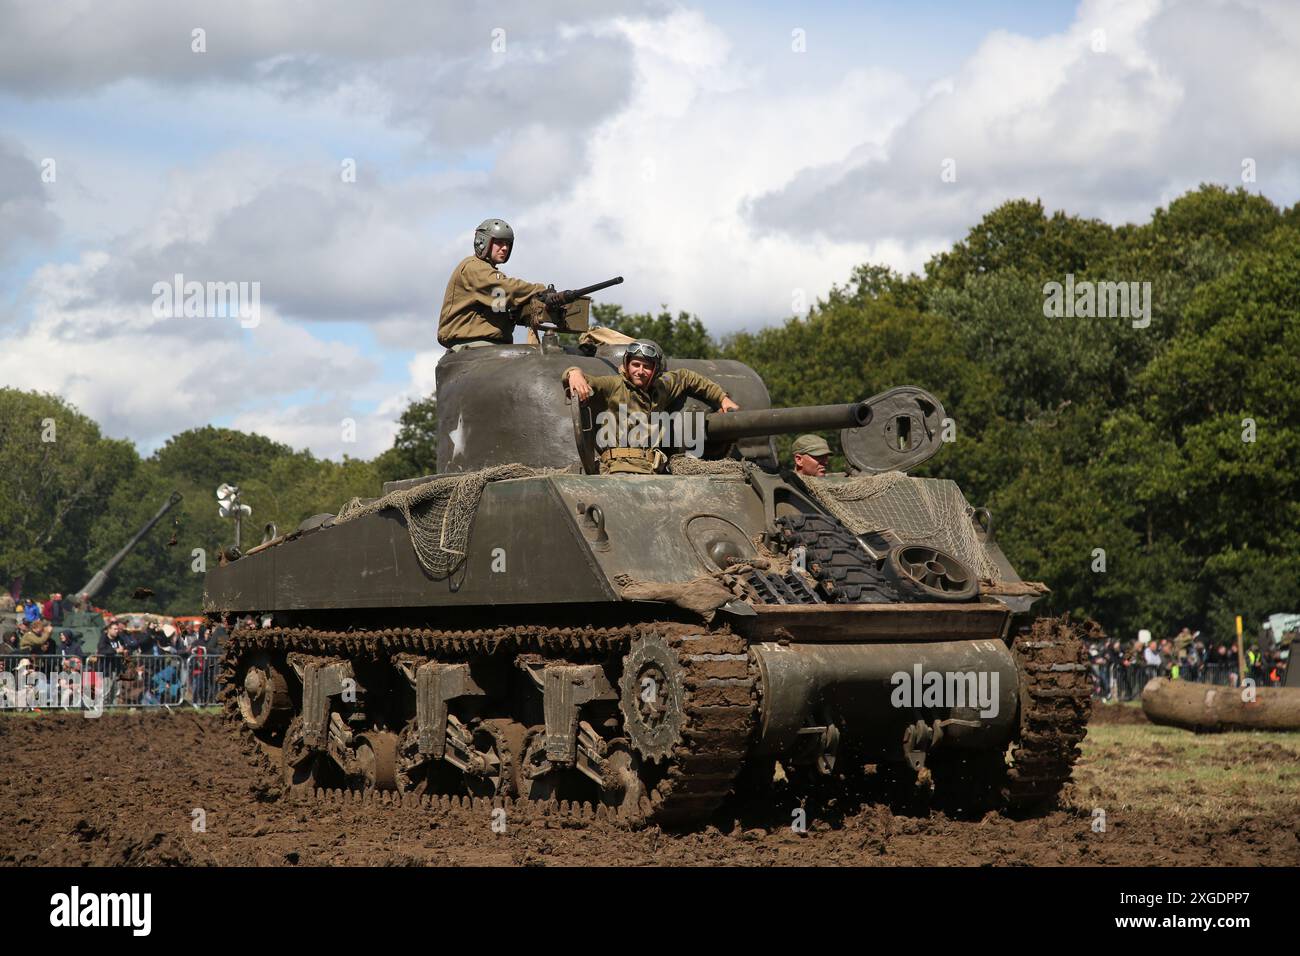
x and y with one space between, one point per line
178 789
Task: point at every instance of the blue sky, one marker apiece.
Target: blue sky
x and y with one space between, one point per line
670 143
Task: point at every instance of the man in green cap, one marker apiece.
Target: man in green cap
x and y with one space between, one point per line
643 388
482 304
811 455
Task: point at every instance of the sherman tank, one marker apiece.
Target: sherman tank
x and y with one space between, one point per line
519 629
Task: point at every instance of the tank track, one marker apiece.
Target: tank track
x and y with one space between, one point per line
720 703
1055 704
844 573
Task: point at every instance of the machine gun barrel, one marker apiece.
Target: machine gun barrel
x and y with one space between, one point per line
575 294
101 576
784 421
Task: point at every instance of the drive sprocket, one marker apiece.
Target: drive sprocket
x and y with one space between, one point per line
651 697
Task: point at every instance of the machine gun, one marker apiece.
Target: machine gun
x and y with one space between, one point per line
569 310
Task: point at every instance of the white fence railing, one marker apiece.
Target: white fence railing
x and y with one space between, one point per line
1125 681
58 682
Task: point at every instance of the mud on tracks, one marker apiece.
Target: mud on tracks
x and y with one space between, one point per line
123 790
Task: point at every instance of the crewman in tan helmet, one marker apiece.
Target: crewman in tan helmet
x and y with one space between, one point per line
643 386
483 305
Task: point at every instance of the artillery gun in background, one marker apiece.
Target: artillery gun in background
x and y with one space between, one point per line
87 623
565 655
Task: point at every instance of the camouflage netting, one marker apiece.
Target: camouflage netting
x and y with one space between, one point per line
705 593
690 466
929 511
440 512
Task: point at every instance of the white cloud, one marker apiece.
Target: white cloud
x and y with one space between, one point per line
645 145
464 78
25 216
330 428
321 248
77 45
664 202
1179 94
147 378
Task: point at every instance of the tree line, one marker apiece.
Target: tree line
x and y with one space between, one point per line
1147 472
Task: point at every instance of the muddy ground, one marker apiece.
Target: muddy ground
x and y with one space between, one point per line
125 790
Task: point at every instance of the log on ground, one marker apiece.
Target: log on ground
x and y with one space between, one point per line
1209 707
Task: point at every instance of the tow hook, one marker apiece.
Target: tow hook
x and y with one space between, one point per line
920 738
826 747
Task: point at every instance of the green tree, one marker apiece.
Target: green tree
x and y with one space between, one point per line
415 448
852 347
1223 395
1231 219
298 486
163 561
217 455
59 469
1020 235
680 336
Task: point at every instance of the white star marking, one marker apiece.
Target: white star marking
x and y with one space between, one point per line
457 436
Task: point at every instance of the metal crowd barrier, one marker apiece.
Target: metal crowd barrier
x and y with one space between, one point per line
1121 682
65 682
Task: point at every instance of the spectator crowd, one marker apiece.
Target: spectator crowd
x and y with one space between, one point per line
1121 670
134 662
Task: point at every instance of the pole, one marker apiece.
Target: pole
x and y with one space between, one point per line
1241 655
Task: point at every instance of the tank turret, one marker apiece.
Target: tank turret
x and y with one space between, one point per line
505 404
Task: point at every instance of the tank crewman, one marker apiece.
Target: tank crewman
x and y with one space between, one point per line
482 304
811 455
644 385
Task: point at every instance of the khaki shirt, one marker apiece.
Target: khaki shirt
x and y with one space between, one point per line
665 395
467 308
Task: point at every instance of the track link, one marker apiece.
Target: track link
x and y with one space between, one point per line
719 704
844 572
1055 704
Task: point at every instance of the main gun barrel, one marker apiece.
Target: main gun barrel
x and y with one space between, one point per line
732 426
101 576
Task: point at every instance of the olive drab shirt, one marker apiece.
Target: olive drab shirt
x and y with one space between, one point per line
473 308
608 392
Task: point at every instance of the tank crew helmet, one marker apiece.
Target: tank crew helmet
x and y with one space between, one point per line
488 230
650 352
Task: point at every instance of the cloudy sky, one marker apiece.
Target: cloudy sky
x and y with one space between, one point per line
723 157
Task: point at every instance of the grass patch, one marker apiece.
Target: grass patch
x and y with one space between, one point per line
1188 777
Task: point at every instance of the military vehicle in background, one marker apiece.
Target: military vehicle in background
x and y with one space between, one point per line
81 618
518 628
1277 638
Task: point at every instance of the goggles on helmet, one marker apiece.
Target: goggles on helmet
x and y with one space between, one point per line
643 350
